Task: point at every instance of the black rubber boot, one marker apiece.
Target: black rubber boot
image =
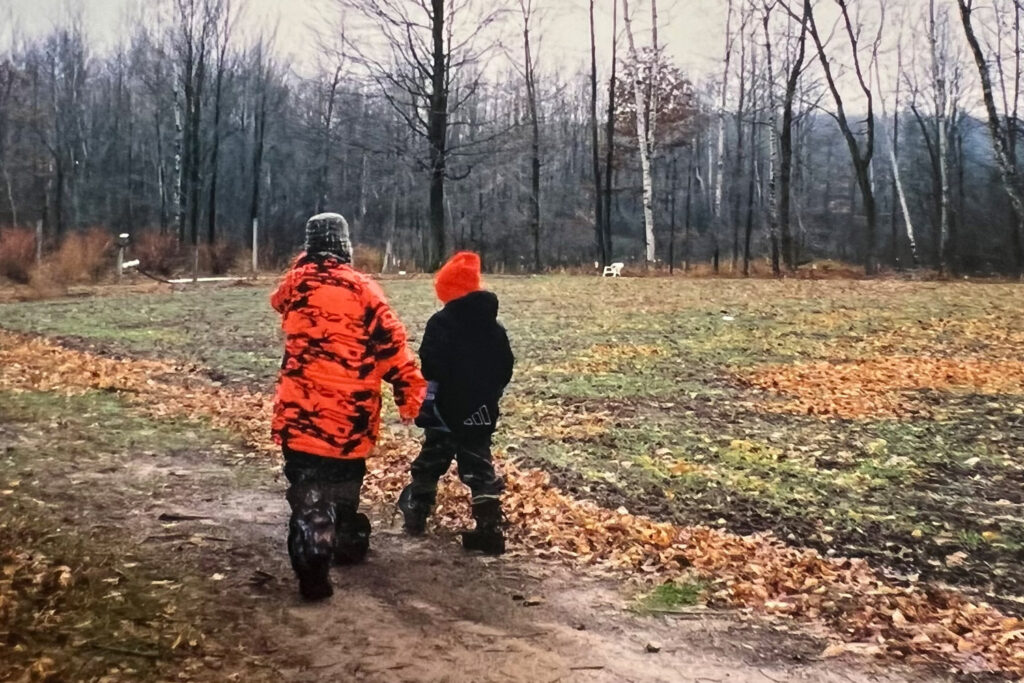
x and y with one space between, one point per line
487 537
414 513
310 546
353 540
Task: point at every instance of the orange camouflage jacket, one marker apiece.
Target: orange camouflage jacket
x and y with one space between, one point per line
341 340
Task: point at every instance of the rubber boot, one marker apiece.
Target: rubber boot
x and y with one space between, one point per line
311 536
353 538
414 513
487 537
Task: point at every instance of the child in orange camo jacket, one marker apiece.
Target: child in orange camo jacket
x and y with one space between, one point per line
342 339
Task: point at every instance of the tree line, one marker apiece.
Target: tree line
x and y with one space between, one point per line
884 132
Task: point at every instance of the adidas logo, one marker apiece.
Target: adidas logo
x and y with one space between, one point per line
481 418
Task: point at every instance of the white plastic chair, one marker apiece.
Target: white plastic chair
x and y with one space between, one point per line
614 270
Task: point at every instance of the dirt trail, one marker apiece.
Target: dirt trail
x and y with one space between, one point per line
423 610
418 610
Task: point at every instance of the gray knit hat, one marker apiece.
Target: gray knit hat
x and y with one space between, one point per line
327 233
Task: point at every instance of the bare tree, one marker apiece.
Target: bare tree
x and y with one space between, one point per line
602 251
263 73
61 133
7 78
741 116
222 37
89 137
422 58
860 154
327 116
610 134
794 70
530 75
1002 133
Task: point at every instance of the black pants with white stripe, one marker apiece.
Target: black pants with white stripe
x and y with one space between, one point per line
472 454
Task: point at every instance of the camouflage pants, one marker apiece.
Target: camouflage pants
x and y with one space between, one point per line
330 483
324 497
472 454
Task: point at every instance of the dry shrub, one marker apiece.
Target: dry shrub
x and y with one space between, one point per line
83 256
367 259
830 270
45 283
157 253
17 254
218 258
243 260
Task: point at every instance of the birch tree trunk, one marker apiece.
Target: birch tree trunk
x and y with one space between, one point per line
773 153
179 177
754 160
716 211
894 163
940 83
641 136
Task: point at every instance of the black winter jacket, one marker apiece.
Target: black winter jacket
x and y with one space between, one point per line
466 352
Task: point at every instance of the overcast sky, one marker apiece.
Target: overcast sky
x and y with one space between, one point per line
692 30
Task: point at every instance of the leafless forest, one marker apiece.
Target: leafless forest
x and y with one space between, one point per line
881 132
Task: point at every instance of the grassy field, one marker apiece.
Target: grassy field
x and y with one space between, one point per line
879 419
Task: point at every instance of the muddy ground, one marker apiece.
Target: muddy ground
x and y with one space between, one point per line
171 539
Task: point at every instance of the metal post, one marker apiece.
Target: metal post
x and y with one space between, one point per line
255 246
39 242
122 242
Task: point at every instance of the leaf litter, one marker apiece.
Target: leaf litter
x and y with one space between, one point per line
865 612
882 387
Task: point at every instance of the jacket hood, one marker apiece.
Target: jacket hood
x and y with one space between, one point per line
479 305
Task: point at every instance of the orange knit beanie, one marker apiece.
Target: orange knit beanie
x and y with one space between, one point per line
458 277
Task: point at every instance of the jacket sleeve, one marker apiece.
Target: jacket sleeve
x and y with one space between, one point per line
507 358
434 352
390 350
280 298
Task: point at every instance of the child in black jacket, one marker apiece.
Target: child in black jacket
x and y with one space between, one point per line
467 362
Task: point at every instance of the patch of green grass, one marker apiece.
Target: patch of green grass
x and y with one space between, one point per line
673 596
970 539
98 422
